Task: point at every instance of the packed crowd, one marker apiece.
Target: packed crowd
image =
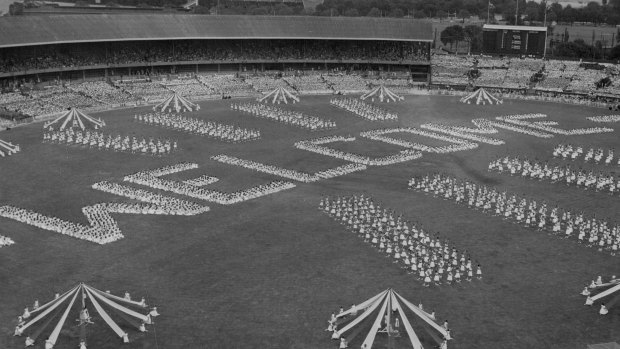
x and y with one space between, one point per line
317 146
101 141
147 91
578 177
363 109
290 174
287 117
346 83
212 50
102 92
222 132
265 84
309 84
227 85
522 73
47 102
431 259
593 232
595 155
189 88
453 75
151 179
557 75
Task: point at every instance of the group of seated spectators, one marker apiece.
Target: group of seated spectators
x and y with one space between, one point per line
346 83
227 85
308 84
123 53
188 86
265 84
519 73
102 91
91 96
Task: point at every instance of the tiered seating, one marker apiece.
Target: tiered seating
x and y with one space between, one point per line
585 80
145 90
309 84
491 77
451 69
12 102
265 84
67 98
492 63
346 83
520 71
227 85
189 87
103 92
450 75
557 76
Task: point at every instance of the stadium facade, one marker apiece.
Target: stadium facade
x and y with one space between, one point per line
83 46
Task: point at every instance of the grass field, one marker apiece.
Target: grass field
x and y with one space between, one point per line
267 273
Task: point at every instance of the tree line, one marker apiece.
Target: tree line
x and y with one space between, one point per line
528 11
608 12
471 35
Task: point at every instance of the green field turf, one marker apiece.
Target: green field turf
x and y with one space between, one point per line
267 273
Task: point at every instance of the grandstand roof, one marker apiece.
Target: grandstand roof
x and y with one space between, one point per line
57 29
513 27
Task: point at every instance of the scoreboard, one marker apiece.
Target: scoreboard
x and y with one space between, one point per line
512 39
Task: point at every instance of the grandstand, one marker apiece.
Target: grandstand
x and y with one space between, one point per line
65 47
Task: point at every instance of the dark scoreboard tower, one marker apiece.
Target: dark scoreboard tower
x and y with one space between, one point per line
512 39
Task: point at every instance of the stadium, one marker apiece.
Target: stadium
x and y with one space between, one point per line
241 178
